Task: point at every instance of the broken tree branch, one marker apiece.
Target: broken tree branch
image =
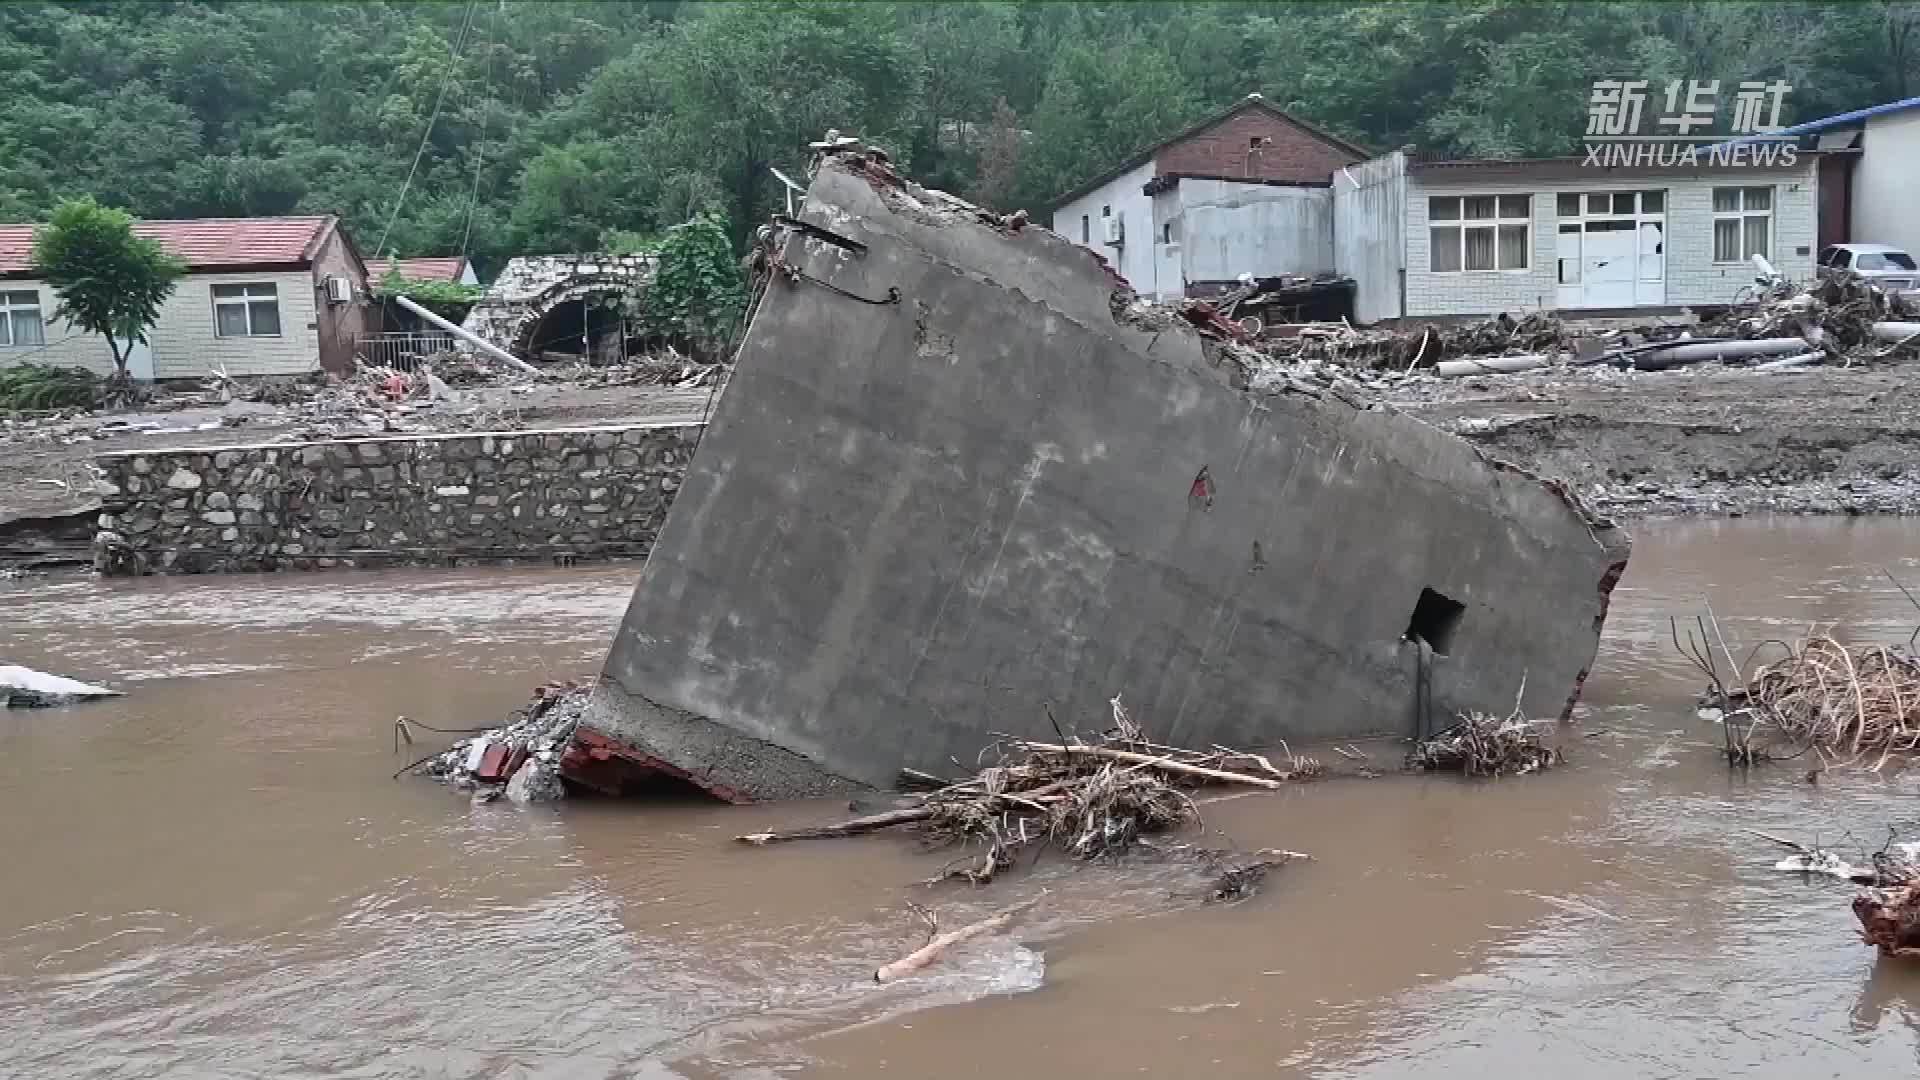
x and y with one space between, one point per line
853 827
933 950
1162 763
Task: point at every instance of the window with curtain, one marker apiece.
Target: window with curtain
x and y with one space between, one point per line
1742 223
251 310
20 319
1479 232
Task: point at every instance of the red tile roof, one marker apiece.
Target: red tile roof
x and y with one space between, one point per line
205 243
447 269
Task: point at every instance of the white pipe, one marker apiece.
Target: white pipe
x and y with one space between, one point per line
1694 352
1791 363
471 338
1489 365
1895 331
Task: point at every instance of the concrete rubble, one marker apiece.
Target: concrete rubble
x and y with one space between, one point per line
962 481
520 760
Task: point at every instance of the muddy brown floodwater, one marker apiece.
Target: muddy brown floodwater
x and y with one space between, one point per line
214 876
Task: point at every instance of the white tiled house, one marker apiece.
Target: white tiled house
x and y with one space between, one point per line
1475 238
261 296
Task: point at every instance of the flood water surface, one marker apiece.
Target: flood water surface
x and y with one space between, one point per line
216 875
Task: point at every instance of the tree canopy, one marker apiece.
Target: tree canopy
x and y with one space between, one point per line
524 127
109 281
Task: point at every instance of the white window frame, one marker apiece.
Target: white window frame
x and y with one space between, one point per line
248 299
1585 214
1741 214
10 302
1460 224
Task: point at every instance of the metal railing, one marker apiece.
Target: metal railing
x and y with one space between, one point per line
401 351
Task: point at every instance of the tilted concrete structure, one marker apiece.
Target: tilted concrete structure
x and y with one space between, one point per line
912 524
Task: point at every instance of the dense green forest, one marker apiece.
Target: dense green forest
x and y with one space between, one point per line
495 127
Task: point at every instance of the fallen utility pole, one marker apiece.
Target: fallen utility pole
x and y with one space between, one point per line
1694 352
470 338
1489 365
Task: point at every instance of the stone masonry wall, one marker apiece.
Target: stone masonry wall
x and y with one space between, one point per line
581 492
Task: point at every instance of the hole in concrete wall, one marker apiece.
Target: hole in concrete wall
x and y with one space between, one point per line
1435 618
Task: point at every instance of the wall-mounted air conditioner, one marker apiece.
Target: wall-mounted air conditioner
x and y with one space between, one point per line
1116 234
339 289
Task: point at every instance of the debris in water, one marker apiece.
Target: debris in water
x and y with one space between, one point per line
520 760
1849 699
1836 699
1485 745
938 944
1890 916
1089 799
25 688
1888 907
1240 877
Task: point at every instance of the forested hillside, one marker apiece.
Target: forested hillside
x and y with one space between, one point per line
563 126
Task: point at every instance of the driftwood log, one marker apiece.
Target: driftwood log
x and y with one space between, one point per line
933 950
1218 776
853 827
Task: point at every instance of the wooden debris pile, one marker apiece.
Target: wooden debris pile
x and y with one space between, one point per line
1834 699
1841 699
1089 799
1482 744
1838 311
1409 348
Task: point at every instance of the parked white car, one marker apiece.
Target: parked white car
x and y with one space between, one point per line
1891 268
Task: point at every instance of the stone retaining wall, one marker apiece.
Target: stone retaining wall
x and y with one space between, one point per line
582 492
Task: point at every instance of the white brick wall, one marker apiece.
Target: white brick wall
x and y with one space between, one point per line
1136 259
1692 275
183 339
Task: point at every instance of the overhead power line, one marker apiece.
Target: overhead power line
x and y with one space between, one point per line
459 46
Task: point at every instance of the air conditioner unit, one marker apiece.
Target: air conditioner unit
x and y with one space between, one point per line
1116 235
339 289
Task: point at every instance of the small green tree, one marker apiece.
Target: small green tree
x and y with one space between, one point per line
109 281
698 293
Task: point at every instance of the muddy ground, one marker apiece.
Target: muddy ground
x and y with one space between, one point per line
44 468
1701 440
1705 440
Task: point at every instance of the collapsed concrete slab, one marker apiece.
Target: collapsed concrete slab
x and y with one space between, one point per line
957 480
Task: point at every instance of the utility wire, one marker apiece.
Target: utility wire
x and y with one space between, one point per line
480 145
459 45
